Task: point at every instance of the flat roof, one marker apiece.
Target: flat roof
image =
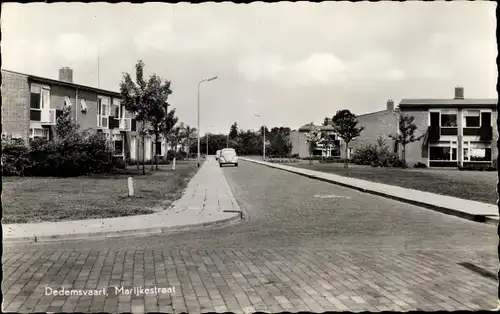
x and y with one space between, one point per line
67 84
464 103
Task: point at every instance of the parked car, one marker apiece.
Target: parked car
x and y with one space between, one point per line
217 155
228 156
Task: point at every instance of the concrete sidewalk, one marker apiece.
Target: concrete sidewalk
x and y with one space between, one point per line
472 210
207 201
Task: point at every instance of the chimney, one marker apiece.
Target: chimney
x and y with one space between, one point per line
390 105
459 92
66 75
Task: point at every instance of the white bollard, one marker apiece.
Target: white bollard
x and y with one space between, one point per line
173 164
130 186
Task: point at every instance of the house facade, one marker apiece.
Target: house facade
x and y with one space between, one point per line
32 104
323 148
378 124
456 132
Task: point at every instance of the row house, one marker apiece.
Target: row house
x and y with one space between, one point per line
457 131
31 106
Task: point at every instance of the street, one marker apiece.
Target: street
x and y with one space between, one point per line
304 245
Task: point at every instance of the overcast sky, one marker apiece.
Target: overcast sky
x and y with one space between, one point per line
292 63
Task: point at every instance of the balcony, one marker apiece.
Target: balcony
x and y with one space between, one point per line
125 124
449 131
44 116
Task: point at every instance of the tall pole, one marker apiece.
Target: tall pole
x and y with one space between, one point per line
264 144
198 129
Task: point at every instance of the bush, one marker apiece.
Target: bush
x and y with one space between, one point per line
495 163
419 165
161 161
72 156
295 156
477 167
376 156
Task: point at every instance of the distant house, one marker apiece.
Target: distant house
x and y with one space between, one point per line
301 147
458 131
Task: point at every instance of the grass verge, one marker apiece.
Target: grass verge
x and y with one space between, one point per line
471 185
28 200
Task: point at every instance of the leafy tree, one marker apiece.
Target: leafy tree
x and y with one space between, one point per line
159 119
134 96
65 125
312 139
188 136
174 138
406 134
233 132
345 124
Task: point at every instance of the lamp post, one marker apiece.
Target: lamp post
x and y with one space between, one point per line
264 140
198 130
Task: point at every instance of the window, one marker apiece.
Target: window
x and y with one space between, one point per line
116 108
39 133
443 151
118 145
35 96
448 119
103 106
477 151
84 105
472 118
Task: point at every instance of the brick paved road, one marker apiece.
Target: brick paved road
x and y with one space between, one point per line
295 252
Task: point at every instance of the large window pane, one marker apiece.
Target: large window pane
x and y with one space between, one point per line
35 101
472 120
439 153
448 120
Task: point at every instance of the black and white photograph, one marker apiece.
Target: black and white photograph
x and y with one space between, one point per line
259 157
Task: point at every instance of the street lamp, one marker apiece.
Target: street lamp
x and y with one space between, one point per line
198 130
264 141
211 126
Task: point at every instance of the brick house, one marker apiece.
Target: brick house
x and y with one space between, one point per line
378 124
32 104
456 131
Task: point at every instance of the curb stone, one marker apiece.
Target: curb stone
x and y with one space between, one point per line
449 211
132 233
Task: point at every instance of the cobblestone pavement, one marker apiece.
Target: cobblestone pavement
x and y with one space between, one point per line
306 245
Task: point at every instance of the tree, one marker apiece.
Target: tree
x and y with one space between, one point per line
159 118
188 135
312 138
134 100
345 124
233 132
406 134
65 125
174 137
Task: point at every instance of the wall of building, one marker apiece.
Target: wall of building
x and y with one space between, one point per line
299 144
417 152
15 105
377 124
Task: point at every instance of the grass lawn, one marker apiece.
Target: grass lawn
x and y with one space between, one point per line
27 200
472 185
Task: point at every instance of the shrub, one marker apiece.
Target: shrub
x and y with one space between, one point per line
495 163
477 167
419 165
296 156
120 164
376 156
